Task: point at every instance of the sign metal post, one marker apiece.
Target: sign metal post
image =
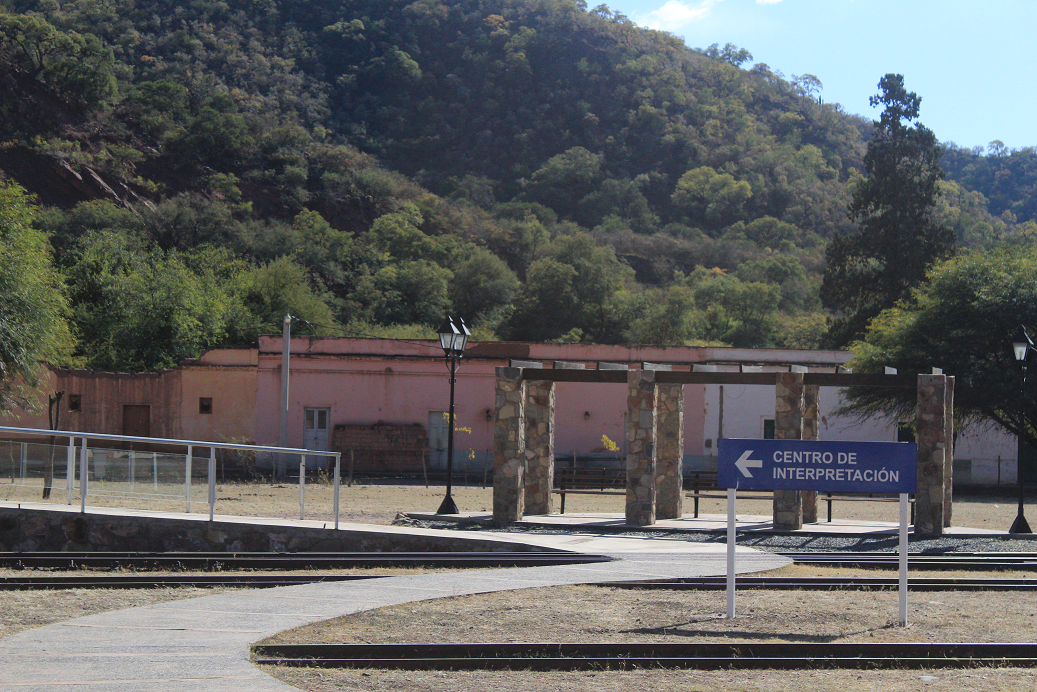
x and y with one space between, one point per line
848 467
731 552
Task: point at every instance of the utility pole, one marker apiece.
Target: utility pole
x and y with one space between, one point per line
282 436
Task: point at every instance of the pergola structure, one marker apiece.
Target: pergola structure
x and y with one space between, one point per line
523 468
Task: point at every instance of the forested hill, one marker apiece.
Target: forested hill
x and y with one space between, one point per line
547 170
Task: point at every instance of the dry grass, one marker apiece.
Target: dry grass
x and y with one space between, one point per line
371 503
361 503
595 614
981 680
589 613
26 609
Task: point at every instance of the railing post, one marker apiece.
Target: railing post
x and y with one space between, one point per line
70 468
187 476
338 473
80 443
212 482
24 461
133 469
83 473
302 486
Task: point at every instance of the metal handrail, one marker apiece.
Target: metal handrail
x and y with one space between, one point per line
162 440
73 435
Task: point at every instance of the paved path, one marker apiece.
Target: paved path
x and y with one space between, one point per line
201 644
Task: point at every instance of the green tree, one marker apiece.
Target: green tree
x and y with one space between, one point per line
573 286
565 178
400 236
410 292
786 271
482 285
75 67
63 227
740 313
710 197
33 310
896 239
667 317
265 293
963 321
547 306
217 136
139 309
158 105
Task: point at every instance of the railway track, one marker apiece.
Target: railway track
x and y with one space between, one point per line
290 561
259 581
830 584
984 561
141 581
205 570
602 656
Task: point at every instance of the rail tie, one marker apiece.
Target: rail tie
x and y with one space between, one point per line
612 656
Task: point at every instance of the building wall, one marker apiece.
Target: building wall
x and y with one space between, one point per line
367 381
375 390
370 381
104 396
227 378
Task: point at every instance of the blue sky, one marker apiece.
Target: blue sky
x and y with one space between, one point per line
974 64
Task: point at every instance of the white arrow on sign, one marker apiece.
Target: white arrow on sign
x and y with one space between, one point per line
744 463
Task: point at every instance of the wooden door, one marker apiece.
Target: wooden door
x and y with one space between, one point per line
438 426
315 435
136 420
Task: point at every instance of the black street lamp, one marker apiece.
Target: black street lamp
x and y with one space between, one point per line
1022 346
453 338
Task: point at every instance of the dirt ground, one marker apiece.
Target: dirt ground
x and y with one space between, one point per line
982 680
377 503
596 614
24 610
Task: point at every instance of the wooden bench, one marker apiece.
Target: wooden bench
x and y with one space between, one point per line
870 497
703 484
697 485
584 481
613 481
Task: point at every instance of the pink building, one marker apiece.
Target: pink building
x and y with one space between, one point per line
385 401
212 398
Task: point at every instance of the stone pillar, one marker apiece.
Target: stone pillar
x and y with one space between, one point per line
948 457
931 436
509 447
811 414
641 447
669 476
540 446
788 425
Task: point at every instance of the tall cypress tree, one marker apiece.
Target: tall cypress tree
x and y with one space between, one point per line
896 239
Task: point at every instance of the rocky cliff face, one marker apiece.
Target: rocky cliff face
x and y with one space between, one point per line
56 182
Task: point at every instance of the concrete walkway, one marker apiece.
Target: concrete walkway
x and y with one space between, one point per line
202 644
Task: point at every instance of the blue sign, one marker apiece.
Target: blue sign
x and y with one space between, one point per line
847 467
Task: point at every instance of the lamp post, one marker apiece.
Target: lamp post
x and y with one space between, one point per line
453 338
1022 346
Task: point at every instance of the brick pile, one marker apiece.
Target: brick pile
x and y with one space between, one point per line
381 448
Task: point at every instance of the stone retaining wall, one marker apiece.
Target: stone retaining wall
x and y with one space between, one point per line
58 530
